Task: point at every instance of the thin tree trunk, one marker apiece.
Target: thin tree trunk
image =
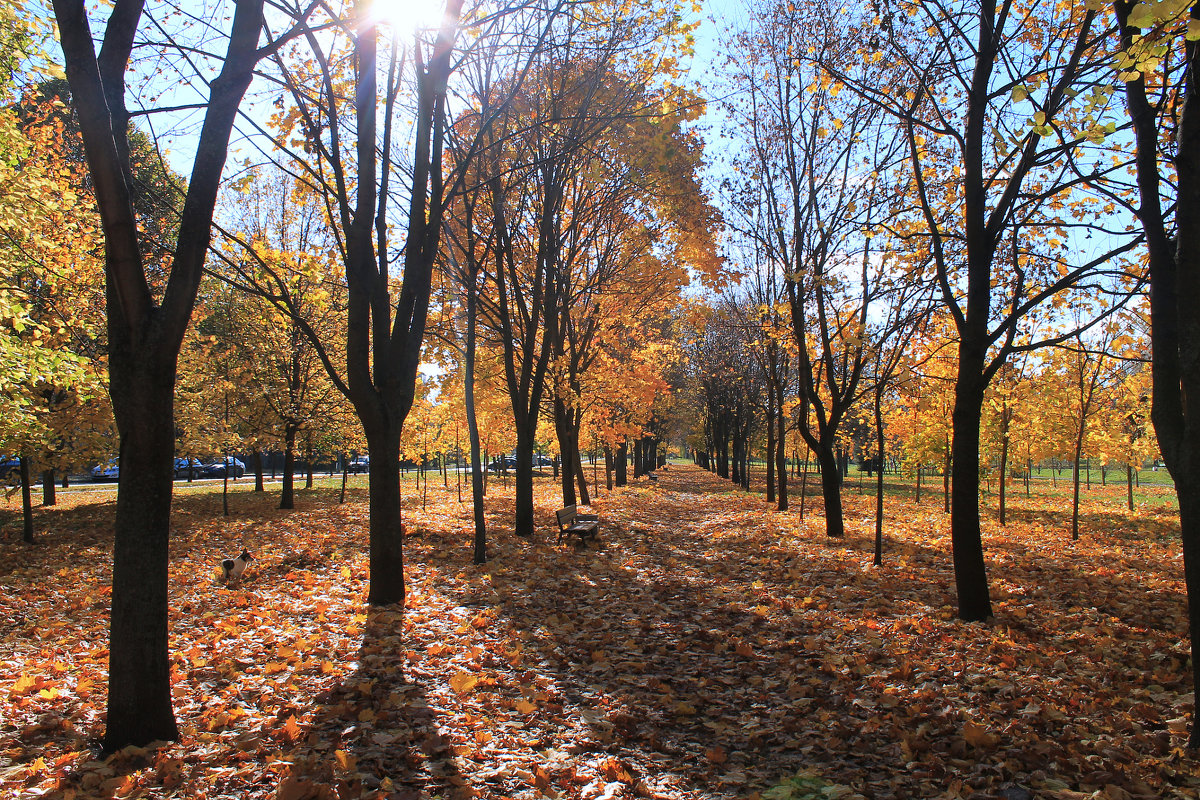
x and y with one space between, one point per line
287 498
1129 486
879 444
26 502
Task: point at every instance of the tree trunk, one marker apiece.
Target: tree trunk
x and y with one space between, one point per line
566 446
387 529
1129 486
771 451
1075 494
256 461
26 502
804 484
1005 421
524 521
48 496
879 444
580 478
622 457
970 573
781 451
287 498
479 548
139 672
831 490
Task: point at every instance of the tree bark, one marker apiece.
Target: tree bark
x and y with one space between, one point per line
831 491
970 573
287 499
48 496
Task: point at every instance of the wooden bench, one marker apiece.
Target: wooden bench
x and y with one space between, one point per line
585 526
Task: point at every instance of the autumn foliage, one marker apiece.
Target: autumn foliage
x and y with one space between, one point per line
705 647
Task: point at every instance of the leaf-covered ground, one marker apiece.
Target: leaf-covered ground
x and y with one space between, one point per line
705 647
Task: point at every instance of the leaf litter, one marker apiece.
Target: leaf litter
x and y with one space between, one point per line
706 647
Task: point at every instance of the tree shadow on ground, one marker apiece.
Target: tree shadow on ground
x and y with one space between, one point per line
708 669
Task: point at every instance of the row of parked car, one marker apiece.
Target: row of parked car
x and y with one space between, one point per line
184 468
509 463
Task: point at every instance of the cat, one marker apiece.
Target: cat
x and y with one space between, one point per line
232 568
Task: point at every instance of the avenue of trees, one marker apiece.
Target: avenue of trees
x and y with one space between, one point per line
952 240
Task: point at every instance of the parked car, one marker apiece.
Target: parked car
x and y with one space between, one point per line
110 471
359 464
188 468
218 467
543 461
506 464
10 467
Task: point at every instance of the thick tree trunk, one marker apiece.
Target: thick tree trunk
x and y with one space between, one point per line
139 673
256 462
384 503
970 573
622 457
48 496
831 490
524 522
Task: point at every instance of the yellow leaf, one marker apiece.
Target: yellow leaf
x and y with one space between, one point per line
526 706
25 683
463 682
345 760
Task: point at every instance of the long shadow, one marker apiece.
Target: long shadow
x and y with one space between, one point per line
374 730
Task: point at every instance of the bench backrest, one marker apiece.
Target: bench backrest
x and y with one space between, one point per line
565 516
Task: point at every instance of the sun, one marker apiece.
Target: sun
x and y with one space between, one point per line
408 16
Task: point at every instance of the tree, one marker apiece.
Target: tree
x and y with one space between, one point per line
146 326
818 166
1163 98
1004 140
